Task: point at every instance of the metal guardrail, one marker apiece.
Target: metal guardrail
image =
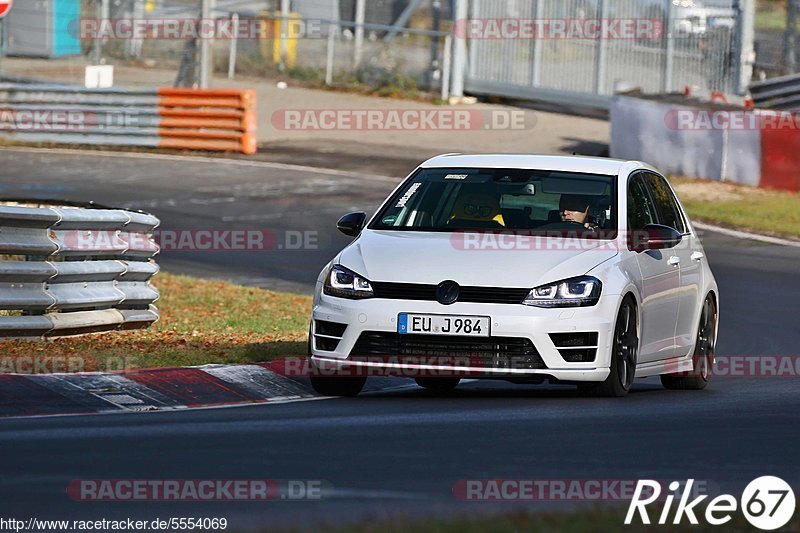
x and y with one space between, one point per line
777 93
194 119
69 270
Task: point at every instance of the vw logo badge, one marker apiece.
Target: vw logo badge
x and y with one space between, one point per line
447 292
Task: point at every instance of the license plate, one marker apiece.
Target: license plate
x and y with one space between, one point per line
466 326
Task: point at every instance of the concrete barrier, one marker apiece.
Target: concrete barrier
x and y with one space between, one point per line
758 148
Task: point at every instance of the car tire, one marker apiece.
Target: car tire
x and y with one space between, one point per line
438 384
335 386
624 355
703 357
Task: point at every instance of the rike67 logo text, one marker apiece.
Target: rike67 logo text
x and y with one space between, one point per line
768 503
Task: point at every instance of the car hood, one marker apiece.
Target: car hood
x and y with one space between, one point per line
485 260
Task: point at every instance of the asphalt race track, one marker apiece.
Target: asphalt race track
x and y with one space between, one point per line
400 450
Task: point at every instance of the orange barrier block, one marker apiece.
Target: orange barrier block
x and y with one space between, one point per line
214 119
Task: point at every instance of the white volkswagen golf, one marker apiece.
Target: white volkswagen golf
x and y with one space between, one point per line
518 267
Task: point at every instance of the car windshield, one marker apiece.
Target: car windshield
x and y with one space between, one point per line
477 199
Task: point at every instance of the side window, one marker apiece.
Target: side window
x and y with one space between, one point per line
641 211
670 214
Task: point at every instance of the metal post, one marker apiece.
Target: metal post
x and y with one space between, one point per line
331 45
135 49
745 37
234 45
2 44
285 8
206 59
102 13
669 53
536 75
96 51
461 13
128 14
447 67
361 12
790 38
473 12
435 73
602 48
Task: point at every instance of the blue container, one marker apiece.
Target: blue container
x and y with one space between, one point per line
66 16
43 28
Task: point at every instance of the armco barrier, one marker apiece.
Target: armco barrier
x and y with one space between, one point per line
70 270
758 148
194 119
777 93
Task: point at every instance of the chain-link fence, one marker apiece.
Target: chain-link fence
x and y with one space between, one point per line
394 45
586 48
777 45
390 46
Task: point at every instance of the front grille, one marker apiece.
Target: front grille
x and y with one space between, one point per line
491 352
415 291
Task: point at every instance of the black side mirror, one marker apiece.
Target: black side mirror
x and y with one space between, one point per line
655 237
352 223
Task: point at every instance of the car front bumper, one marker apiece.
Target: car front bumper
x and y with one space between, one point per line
507 321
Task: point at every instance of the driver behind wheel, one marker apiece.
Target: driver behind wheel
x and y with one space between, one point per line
575 208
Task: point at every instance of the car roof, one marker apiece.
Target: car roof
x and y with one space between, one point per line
579 164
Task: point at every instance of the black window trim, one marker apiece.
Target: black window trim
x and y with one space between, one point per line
635 173
681 214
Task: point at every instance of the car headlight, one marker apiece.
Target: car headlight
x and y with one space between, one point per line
583 291
345 283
